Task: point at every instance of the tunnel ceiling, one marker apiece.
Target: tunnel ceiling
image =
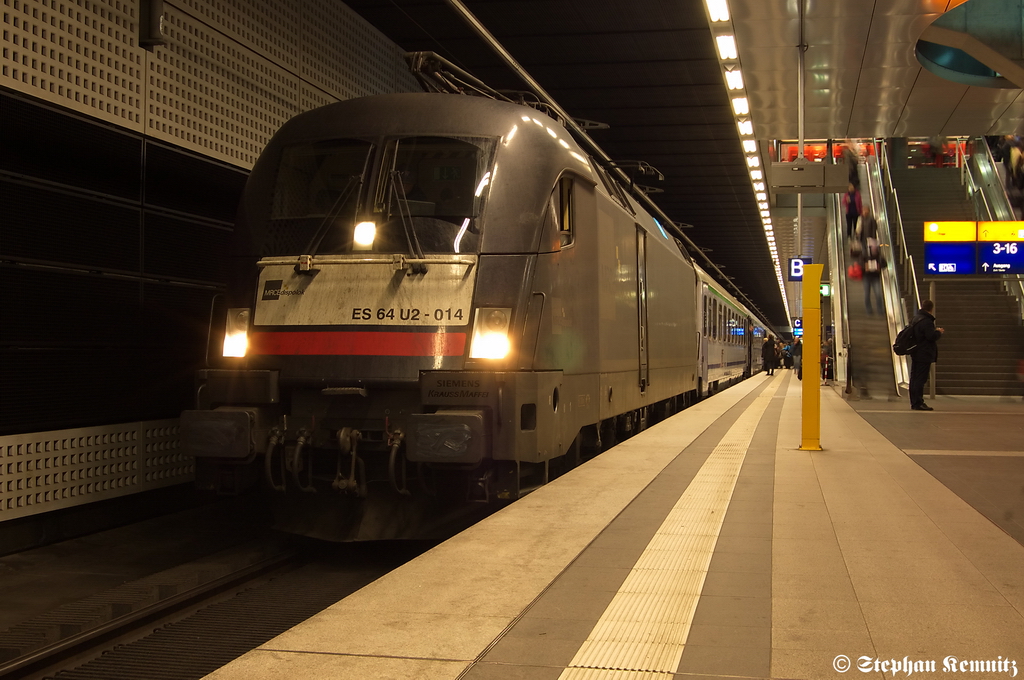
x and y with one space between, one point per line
649 70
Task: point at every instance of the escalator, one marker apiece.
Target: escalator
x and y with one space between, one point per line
868 337
984 338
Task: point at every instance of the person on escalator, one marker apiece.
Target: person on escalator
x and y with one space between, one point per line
872 264
851 208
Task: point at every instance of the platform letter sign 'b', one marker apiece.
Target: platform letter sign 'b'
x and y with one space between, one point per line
796 267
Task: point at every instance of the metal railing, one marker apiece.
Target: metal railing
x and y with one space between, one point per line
840 314
1014 285
899 278
979 174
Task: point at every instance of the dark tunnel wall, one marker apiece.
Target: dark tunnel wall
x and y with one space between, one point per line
111 250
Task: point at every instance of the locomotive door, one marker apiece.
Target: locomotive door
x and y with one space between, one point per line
641 297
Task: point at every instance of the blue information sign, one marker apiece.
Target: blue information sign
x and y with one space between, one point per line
950 258
1001 257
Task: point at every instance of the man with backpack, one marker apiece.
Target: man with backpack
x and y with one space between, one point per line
923 354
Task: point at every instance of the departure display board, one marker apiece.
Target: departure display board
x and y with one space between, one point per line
973 248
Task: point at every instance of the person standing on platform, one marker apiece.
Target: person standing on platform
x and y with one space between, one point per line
827 368
768 355
851 208
798 358
924 354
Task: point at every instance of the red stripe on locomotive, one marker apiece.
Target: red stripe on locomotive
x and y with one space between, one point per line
358 343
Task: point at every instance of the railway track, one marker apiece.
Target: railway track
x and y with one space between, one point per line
185 622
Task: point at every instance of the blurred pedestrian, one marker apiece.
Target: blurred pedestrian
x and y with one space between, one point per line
872 264
798 358
827 362
924 354
851 158
937 149
851 208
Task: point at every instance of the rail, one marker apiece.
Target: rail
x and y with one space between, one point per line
899 277
840 312
1014 285
982 208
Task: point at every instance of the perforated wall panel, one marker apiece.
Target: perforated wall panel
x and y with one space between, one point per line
47 471
229 74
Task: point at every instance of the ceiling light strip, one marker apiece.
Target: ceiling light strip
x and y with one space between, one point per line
722 31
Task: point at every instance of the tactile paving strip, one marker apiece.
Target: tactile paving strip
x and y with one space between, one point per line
644 629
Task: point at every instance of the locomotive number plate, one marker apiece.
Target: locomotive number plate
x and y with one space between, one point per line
365 294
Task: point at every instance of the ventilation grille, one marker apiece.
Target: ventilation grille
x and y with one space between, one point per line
230 73
47 471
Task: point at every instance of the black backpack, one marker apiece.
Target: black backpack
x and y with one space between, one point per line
906 341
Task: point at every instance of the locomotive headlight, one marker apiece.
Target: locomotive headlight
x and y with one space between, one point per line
236 332
364 234
490 333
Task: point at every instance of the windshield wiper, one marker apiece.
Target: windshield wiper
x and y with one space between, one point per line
405 214
339 203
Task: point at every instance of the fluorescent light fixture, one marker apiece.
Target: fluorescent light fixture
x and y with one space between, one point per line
746 127
726 47
763 205
749 146
718 10
740 106
734 80
758 186
761 196
765 213
753 162
756 174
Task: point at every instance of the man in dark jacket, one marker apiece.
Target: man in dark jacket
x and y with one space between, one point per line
922 356
768 355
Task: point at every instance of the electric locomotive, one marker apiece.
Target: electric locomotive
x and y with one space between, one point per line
436 301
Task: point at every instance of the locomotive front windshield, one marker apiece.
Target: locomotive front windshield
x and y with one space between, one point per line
410 195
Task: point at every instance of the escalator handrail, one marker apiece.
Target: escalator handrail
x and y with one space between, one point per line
967 179
839 297
896 312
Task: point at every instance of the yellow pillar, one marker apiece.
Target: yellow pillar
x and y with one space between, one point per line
810 390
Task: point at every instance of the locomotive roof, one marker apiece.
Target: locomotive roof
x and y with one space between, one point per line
412 114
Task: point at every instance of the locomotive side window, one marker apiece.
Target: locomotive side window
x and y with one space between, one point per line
565 210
